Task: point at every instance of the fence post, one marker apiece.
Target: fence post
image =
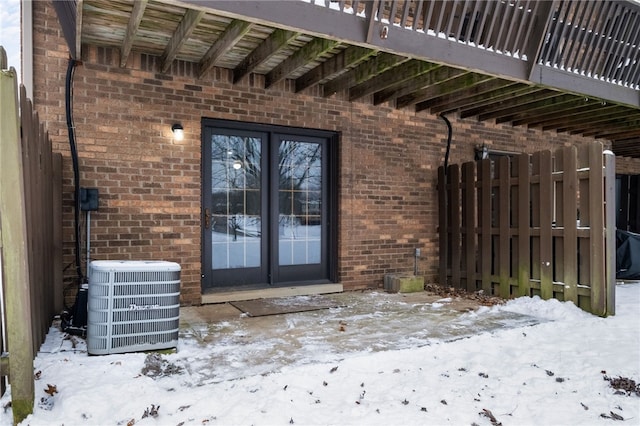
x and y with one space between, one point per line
596 227
610 230
15 267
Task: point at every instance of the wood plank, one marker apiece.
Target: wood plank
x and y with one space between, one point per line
336 64
458 99
229 37
78 38
610 231
56 218
523 217
458 80
269 47
504 238
308 53
15 256
443 240
596 235
180 36
391 78
535 220
3 59
569 223
371 12
363 72
455 225
132 28
477 106
484 218
469 212
546 218
409 87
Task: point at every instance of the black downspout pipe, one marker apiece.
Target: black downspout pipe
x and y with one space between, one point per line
74 158
450 131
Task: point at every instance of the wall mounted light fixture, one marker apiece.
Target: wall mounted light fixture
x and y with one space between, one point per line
178 132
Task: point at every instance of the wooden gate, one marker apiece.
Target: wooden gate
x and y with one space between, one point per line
541 224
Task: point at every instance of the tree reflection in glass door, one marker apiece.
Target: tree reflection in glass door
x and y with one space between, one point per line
300 203
236 202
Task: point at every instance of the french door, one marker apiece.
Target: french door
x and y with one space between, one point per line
268 205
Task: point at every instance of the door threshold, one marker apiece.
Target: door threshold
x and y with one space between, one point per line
269 293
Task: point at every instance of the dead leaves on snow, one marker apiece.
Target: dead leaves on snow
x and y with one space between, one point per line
478 296
488 414
622 385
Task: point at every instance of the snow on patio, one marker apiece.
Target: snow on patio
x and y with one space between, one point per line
401 361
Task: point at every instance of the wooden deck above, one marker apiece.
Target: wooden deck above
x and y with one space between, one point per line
564 66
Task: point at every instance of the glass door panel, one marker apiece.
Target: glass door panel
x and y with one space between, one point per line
300 202
236 215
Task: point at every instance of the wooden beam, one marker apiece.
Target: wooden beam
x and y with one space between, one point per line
333 66
536 36
78 46
308 53
318 21
592 87
453 81
229 37
480 92
421 85
276 41
504 107
478 105
132 28
391 78
180 37
371 11
541 111
588 117
363 72
498 99
597 123
460 85
533 111
411 86
564 111
627 129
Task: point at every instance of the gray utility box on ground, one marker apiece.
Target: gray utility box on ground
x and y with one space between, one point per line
132 306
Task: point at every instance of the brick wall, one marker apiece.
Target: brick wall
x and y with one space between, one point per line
150 185
628 166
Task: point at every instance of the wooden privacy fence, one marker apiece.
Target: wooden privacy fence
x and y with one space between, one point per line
30 243
541 224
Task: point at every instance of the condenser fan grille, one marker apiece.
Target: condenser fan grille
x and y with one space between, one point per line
133 306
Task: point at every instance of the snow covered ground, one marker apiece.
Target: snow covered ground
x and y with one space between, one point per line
556 372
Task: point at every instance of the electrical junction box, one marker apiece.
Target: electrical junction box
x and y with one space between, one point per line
88 199
132 306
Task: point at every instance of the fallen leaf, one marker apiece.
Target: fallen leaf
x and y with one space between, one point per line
51 389
488 414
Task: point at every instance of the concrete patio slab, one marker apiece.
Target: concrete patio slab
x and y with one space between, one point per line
238 345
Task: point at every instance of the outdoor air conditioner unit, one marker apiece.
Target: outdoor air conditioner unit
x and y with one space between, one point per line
132 306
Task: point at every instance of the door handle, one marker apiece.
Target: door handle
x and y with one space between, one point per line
207 218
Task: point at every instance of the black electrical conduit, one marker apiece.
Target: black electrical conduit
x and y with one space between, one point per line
446 155
74 158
